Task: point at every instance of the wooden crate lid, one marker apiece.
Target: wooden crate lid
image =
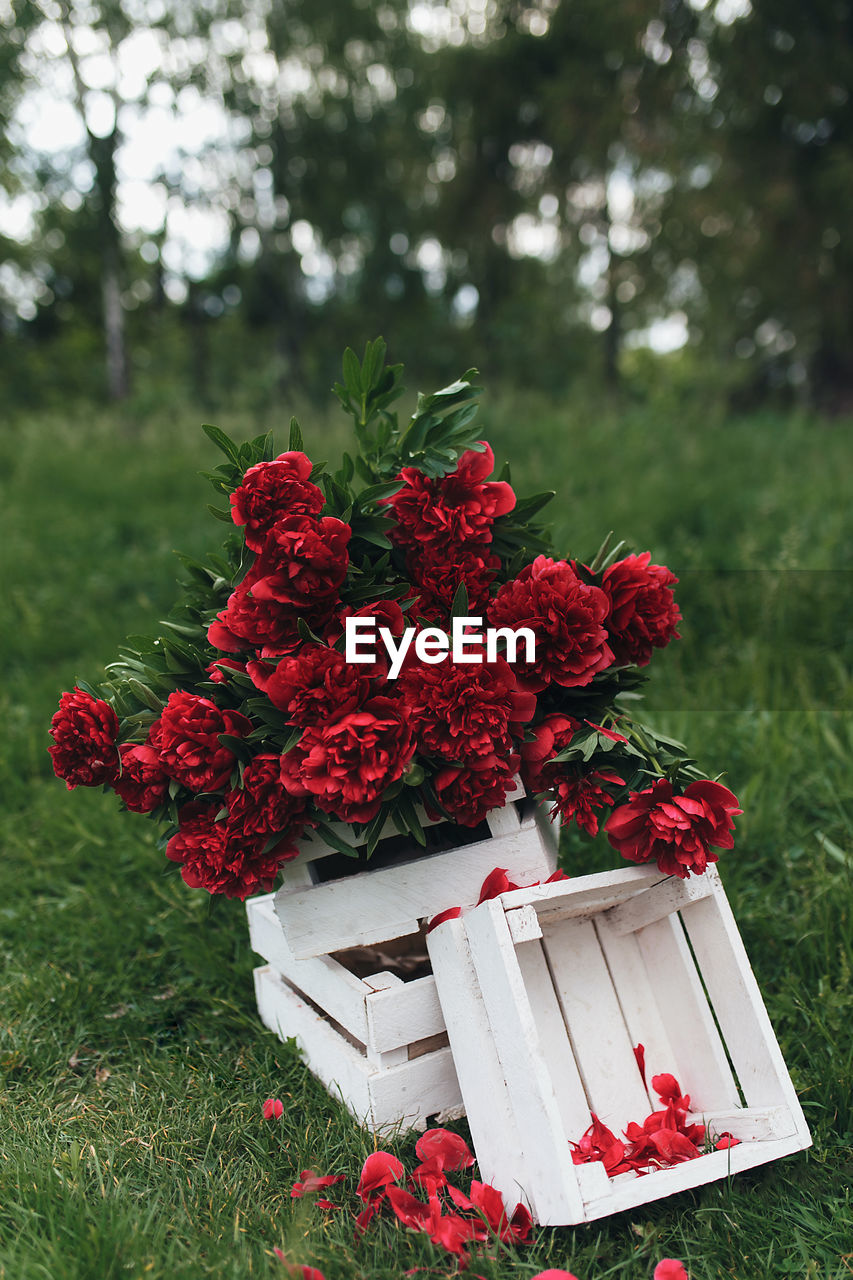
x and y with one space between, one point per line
546 991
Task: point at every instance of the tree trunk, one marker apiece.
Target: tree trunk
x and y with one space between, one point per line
118 373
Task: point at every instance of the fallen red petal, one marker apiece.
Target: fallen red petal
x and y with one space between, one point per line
273 1108
452 913
670 1269
379 1170
448 1148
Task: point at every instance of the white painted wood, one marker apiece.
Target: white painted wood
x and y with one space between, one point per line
390 1057
376 906
747 1123
342 1069
501 1155
548 829
523 924
386 1098
504 821
403 1016
548 1166
602 1046
600 890
737 1002
554 1041
658 901
638 1002
700 1064
323 980
630 1192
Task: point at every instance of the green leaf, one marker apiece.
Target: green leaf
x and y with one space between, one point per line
145 694
220 513
352 372
337 842
295 435
459 608
222 441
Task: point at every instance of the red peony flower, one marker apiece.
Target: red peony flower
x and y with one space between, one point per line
312 686
261 808
579 796
676 831
187 738
143 783
248 622
567 617
460 712
456 509
303 562
436 579
470 793
273 1109
213 669
550 736
643 612
271 490
84 732
346 765
215 860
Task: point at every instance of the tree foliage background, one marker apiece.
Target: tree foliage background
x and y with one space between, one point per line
223 195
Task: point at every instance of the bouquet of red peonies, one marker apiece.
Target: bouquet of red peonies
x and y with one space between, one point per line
385 639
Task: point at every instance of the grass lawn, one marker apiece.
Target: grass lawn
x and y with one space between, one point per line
133 1061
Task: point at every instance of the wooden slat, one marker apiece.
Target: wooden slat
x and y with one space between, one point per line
323 980
376 906
734 993
554 1040
496 1136
700 1065
523 924
638 1002
603 887
748 1123
600 1040
655 903
400 1017
408 1095
630 1192
551 1184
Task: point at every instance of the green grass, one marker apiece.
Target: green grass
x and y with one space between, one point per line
133 1062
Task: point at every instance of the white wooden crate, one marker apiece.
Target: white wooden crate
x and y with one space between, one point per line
384 902
545 991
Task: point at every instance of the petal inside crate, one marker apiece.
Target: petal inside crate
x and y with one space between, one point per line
545 993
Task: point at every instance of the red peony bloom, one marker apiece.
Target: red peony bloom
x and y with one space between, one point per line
567 617
248 622
271 490
676 831
437 578
643 612
347 764
579 796
143 783
303 562
187 738
84 732
312 686
470 793
551 735
217 675
261 808
461 711
457 509
211 859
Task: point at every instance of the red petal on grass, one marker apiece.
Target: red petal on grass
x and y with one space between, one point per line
410 1211
670 1269
379 1170
554 1275
273 1108
294 1269
311 1182
430 1175
367 1214
725 1141
448 1148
